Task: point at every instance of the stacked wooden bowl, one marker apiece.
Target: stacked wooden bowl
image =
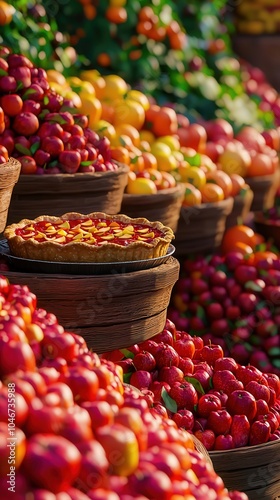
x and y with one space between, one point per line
110 311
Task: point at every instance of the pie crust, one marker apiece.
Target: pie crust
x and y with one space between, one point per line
95 237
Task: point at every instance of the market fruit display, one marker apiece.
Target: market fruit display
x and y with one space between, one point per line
225 404
78 431
232 299
41 129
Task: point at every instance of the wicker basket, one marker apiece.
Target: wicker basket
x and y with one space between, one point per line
164 206
201 228
110 311
268 229
254 470
264 189
241 207
37 195
9 174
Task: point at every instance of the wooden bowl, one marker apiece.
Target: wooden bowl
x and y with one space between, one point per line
9 174
110 311
255 470
37 195
163 206
201 227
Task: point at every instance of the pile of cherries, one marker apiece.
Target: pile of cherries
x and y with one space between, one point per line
225 404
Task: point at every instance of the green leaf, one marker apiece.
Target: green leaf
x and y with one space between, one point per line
197 385
194 161
22 149
126 377
253 286
274 351
127 353
170 404
134 160
276 363
86 163
34 147
3 72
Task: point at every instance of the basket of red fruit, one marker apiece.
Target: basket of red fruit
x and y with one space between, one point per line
64 164
233 409
9 174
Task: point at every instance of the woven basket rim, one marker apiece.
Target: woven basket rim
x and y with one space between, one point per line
256 448
206 206
122 168
13 165
260 177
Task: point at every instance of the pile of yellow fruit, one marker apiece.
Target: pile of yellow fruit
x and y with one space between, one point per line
257 16
162 147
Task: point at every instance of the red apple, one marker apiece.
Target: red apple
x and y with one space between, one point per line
240 430
241 402
259 432
184 395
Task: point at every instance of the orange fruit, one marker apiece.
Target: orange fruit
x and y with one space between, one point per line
108 111
120 154
211 193
155 175
241 247
192 195
129 111
168 181
238 234
238 183
138 96
115 87
91 106
265 255
150 161
130 131
165 122
141 185
104 128
115 14
221 179
103 59
195 176
261 164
